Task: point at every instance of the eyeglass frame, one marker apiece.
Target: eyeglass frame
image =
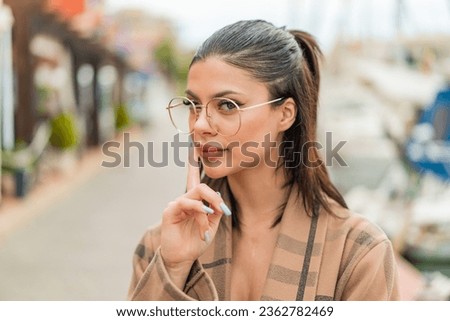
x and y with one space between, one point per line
239 109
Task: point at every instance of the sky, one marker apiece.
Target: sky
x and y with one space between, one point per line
195 20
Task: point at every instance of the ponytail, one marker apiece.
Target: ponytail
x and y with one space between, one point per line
311 53
312 178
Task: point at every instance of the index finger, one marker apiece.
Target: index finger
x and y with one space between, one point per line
193 175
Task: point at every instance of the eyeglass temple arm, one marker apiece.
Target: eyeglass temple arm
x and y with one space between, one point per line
262 104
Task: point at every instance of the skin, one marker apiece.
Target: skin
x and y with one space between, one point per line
185 222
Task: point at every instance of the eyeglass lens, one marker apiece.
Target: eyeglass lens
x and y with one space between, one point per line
222 115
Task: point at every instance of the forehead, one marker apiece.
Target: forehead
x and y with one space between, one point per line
212 75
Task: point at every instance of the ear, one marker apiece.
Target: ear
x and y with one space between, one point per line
288 112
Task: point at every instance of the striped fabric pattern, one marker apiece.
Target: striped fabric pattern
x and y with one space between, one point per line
326 257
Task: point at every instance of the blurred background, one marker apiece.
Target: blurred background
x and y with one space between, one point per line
77 74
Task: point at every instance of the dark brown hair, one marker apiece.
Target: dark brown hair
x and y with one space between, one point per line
288 63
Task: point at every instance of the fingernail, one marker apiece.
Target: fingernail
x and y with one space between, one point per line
207 236
218 193
208 210
225 209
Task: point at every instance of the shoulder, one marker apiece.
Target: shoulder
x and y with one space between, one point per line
355 231
366 266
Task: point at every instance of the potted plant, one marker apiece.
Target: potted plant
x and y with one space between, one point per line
123 119
64 138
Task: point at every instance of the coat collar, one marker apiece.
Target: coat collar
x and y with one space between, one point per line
296 260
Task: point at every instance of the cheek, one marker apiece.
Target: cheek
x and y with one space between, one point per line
258 126
253 151
251 155
256 133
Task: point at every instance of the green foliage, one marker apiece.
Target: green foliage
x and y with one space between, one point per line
173 62
123 119
64 133
165 56
20 144
183 63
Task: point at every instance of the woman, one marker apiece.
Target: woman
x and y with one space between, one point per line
266 223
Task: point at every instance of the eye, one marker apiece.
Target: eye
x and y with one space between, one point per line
191 104
186 103
226 106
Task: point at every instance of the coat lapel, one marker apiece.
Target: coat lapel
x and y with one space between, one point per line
294 269
296 260
217 258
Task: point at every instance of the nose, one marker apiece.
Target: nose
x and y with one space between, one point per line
202 125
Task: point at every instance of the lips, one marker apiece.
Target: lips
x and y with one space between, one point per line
211 151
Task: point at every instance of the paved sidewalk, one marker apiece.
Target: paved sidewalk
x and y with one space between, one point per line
75 240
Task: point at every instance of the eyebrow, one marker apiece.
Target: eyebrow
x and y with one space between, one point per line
219 94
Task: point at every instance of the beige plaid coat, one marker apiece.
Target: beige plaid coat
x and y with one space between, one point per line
326 257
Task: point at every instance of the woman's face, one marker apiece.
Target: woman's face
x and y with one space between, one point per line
254 144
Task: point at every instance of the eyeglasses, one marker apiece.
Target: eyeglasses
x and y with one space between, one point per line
222 114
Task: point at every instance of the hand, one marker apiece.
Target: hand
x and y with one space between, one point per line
188 226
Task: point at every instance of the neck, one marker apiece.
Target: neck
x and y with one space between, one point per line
259 193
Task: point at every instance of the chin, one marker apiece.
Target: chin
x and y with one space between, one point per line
215 170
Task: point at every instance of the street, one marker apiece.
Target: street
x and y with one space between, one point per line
81 247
